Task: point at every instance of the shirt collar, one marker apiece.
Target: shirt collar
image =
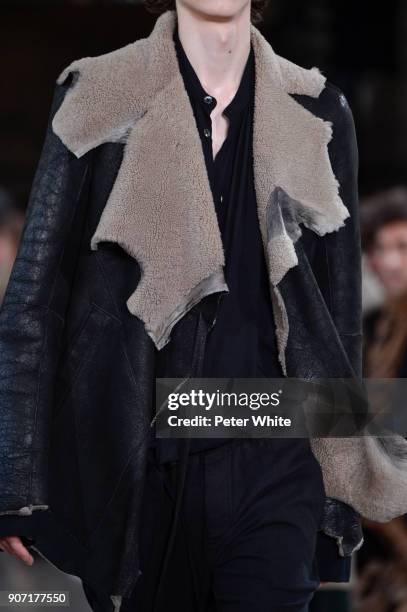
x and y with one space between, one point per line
245 91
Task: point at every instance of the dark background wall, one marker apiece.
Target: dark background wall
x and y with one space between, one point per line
357 45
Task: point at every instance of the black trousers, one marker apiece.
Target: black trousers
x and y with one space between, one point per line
245 536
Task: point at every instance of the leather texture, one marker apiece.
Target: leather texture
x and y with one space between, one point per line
78 370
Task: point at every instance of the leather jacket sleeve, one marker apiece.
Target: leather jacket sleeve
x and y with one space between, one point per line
335 257
340 252
32 319
342 249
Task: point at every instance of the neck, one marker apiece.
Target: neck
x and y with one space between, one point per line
216 48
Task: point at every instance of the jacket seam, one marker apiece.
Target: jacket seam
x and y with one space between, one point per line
80 190
329 278
87 176
57 314
105 277
350 333
107 284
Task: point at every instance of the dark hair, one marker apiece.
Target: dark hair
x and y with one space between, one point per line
381 209
160 6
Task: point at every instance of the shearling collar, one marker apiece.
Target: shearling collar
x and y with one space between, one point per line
161 209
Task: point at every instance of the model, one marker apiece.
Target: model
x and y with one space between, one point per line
194 214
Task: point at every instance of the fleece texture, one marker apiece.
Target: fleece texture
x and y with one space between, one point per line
161 208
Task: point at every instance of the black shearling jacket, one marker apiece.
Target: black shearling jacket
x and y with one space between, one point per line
78 368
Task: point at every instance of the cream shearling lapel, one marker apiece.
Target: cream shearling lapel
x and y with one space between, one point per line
161 209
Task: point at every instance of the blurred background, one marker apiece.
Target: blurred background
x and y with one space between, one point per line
360 47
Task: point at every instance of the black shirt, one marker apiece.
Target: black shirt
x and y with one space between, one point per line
242 342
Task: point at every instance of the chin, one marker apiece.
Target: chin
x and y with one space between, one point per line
215 9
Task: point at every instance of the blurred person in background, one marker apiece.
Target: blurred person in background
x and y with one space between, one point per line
11 225
384 240
382 561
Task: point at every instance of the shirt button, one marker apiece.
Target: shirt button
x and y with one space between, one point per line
208 99
207 132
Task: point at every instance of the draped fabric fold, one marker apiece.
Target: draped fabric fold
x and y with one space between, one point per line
161 208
